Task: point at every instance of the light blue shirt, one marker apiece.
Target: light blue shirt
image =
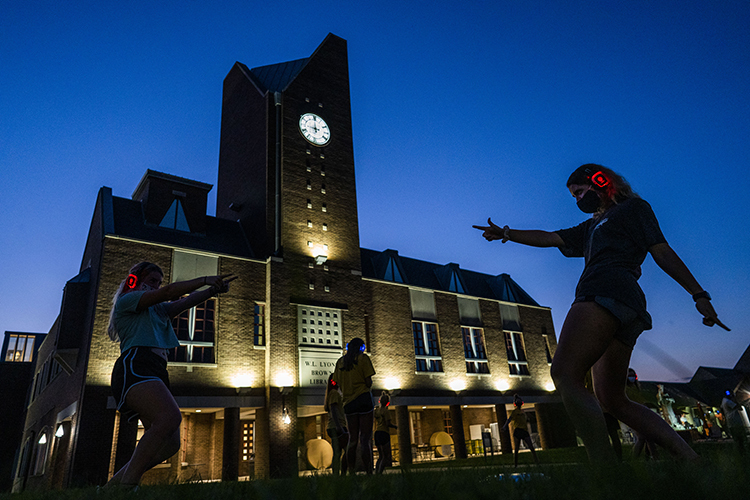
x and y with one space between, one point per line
149 328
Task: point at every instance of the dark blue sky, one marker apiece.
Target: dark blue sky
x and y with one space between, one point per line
460 111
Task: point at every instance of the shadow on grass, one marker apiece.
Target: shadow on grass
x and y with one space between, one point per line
722 474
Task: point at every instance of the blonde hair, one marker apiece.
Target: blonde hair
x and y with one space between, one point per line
139 270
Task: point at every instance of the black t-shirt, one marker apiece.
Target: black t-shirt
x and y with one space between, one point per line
614 246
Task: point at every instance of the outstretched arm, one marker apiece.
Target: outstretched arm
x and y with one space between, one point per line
532 238
668 260
200 296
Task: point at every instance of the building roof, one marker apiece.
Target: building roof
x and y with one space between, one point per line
276 77
388 265
222 236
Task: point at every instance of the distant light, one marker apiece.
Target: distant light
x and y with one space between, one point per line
43 439
285 380
320 259
60 432
198 411
550 386
285 416
242 380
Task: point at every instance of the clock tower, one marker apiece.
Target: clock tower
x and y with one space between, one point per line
286 173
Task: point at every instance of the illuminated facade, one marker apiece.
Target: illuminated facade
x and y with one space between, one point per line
249 376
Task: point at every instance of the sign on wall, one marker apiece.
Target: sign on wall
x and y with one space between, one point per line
315 365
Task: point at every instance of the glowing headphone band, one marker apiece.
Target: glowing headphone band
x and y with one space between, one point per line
132 281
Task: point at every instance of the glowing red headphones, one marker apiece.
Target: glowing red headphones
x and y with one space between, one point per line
599 179
132 281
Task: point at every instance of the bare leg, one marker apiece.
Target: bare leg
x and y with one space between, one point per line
161 417
610 374
517 448
587 332
365 440
530 446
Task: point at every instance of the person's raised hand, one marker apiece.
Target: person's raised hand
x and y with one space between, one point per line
710 318
491 232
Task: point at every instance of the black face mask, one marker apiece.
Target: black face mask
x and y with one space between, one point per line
590 202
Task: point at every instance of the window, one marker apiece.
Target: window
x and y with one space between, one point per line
259 325
510 317
175 217
476 358
391 271
20 348
41 453
195 330
247 441
447 422
516 354
323 208
416 427
547 350
319 326
427 347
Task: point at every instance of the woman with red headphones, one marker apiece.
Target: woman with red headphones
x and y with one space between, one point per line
609 310
141 320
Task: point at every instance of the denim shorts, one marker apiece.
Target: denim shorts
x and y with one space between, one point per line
631 325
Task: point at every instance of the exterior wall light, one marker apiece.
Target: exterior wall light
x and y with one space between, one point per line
392 383
502 385
458 385
320 259
550 386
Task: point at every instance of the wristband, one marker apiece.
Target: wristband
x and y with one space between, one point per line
701 295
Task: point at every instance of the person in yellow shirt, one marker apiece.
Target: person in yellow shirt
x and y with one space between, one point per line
382 433
518 419
354 373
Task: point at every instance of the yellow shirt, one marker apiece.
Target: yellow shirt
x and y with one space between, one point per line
352 382
518 419
335 405
382 419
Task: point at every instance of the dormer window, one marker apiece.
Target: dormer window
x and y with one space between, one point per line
175 217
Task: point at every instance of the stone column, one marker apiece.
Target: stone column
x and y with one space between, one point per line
459 438
502 416
230 463
404 436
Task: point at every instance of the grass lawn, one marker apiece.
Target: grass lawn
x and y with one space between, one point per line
564 474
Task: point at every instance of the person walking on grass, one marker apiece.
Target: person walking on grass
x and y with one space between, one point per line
609 310
520 423
354 373
141 320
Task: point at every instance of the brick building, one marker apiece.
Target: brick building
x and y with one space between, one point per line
453 345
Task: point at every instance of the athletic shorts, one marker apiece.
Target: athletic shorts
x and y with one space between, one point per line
136 366
631 325
521 433
362 404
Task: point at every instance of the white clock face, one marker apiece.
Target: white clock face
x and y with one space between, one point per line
314 129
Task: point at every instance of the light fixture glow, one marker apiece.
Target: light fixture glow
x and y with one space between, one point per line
392 383
60 432
285 416
320 259
242 380
43 439
550 386
458 385
502 385
285 379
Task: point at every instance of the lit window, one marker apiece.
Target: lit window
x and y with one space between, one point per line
309 186
312 286
196 333
310 244
309 204
309 223
427 347
259 326
325 227
323 189
474 352
324 208
517 363
20 348
316 336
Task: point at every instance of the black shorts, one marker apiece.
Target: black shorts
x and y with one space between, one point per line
133 367
521 434
362 404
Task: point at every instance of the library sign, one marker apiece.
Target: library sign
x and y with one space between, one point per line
316 365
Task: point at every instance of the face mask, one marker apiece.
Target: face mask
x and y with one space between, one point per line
589 203
146 288
631 380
